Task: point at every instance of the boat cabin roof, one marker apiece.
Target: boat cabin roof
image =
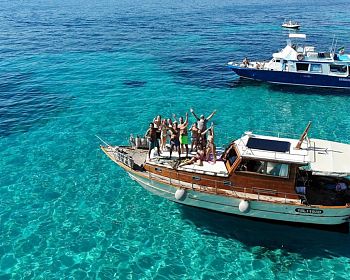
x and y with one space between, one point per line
328 158
271 148
291 52
321 157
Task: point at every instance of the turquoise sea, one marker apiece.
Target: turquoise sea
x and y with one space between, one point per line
70 70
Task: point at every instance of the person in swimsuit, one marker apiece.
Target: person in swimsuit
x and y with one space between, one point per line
174 138
200 156
157 124
211 148
184 134
151 135
195 135
202 121
157 121
163 134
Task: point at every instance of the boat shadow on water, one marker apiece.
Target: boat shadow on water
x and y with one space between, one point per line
309 242
309 90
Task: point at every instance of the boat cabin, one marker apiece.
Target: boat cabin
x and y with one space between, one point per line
274 166
305 59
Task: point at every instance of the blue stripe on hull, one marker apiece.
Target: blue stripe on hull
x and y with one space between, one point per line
292 78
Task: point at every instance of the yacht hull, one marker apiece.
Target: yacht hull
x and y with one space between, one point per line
256 208
292 78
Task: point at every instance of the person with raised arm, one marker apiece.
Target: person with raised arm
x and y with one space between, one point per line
202 121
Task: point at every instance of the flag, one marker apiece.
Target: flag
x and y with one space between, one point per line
341 50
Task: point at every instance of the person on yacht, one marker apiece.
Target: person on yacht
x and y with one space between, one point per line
184 134
211 148
202 121
200 156
151 136
245 62
195 135
174 138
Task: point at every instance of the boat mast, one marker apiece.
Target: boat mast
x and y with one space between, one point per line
302 137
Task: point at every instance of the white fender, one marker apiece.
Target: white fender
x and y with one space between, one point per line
243 206
179 194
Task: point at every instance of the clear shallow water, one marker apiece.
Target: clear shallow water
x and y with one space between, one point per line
70 70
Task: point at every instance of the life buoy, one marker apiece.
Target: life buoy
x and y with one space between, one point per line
300 57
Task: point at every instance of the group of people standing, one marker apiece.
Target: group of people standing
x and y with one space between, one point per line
202 140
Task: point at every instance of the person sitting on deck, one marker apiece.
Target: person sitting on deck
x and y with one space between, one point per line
151 135
245 62
200 156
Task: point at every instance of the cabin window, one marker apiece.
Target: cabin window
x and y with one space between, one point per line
277 169
302 66
268 168
338 68
315 68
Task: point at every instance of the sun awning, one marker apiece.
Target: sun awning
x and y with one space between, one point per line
329 158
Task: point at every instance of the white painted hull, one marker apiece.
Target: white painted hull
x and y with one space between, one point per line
257 208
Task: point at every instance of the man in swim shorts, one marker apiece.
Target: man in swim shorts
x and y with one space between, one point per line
174 138
151 135
202 121
184 134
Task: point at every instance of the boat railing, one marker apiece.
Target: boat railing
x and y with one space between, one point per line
125 158
275 134
193 182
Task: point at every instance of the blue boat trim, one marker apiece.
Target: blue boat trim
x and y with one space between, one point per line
292 78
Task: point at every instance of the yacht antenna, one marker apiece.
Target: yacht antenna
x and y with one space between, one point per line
302 137
332 42
335 46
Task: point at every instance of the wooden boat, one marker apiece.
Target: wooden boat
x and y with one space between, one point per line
290 24
267 177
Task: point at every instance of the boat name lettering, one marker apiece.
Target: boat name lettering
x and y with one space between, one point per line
344 80
309 211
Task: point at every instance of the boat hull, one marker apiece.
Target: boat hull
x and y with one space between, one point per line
292 78
256 209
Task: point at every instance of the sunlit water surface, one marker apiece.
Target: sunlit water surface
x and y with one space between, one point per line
70 70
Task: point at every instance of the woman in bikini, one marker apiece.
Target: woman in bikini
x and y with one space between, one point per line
163 134
211 148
